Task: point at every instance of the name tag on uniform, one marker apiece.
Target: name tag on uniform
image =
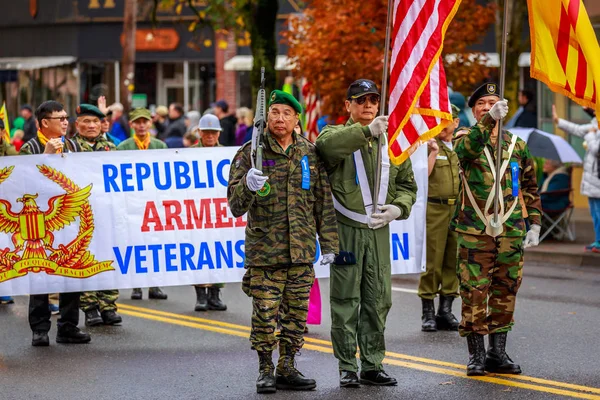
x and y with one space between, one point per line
441 157
305 173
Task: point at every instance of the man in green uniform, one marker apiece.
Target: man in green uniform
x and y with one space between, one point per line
98 306
208 297
140 120
490 256
440 275
360 280
288 203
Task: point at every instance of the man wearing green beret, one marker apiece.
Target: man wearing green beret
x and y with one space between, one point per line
360 279
98 306
140 121
288 202
440 275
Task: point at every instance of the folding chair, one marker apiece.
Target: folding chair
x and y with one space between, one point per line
558 222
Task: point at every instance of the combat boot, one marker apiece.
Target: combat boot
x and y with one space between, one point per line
266 373
72 334
40 338
288 377
444 319
156 293
496 359
92 317
475 367
214 302
136 294
110 317
201 299
428 319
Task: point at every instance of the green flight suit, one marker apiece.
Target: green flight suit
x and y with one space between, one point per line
361 293
444 182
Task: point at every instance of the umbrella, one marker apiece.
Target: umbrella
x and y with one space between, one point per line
547 145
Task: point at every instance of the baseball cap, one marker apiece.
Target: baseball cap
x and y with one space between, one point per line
360 88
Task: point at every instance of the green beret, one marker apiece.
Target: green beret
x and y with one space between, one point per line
455 111
88 109
140 113
281 97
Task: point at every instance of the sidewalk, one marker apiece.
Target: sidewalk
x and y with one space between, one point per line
566 252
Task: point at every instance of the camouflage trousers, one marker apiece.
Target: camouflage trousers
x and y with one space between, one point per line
490 271
270 289
104 300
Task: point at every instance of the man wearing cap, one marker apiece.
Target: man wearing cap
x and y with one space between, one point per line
140 121
440 275
490 256
228 122
29 126
208 296
360 279
53 122
98 306
288 201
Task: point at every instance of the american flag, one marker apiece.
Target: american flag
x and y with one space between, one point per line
419 104
312 111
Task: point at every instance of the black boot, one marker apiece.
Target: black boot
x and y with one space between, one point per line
266 370
136 294
92 317
156 293
475 367
214 302
40 338
71 334
496 359
201 299
428 318
444 319
349 379
377 378
110 317
288 377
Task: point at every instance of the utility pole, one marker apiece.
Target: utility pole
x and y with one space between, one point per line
128 63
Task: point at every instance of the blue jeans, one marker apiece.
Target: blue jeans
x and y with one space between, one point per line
595 211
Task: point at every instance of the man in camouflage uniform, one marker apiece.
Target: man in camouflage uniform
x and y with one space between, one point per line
440 275
208 296
140 120
288 203
490 256
98 306
53 123
361 282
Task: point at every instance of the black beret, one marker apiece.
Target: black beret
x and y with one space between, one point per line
487 89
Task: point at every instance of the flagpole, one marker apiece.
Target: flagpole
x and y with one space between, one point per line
495 222
383 102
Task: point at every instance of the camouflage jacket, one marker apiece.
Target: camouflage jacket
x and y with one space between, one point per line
284 218
100 143
477 172
7 149
34 146
336 145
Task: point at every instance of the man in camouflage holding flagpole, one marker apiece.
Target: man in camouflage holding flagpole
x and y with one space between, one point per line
490 260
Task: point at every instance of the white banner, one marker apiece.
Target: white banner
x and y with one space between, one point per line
92 221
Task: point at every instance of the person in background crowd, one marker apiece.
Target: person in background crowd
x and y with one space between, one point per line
590 183
17 124
190 139
192 118
244 120
119 126
228 122
526 114
140 121
160 121
458 100
177 128
556 177
17 139
29 126
53 122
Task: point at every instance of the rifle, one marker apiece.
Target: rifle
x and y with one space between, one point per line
259 124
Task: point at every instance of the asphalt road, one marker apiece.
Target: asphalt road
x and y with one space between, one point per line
165 350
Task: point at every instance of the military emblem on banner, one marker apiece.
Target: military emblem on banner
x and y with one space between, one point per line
31 229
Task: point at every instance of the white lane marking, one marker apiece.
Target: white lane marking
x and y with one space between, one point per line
399 289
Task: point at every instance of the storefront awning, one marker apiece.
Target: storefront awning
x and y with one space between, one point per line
32 63
244 63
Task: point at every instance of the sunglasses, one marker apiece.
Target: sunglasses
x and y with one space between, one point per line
62 119
373 99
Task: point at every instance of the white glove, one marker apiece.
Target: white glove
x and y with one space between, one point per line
388 214
533 236
254 180
379 126
499 110
328 258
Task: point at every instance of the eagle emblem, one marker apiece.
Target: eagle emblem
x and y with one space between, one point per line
32 228
366 85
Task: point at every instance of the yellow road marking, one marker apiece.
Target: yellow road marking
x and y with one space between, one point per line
242 331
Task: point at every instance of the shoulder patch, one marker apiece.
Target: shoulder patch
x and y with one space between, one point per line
308 142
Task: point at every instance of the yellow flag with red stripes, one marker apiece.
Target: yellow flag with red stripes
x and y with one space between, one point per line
4 118
565 54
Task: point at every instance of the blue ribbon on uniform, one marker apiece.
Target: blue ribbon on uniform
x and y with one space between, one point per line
514 167
305 173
